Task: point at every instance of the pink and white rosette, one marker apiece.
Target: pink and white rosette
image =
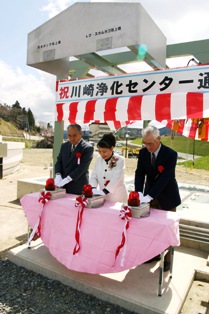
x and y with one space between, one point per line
36 233
125 214
81 201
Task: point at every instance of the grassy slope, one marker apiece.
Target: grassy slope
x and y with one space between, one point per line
188 146
8 129
183 145
10 133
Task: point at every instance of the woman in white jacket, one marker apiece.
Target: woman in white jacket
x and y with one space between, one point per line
107 177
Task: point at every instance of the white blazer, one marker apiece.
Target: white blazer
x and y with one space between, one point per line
102 172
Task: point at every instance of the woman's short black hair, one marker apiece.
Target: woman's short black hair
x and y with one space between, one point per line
107 141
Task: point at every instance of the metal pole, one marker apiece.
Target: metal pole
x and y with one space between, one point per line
58 139
1 167
193 151
126 145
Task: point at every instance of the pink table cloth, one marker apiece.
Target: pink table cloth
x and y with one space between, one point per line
100 234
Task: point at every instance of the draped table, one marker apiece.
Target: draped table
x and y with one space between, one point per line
100 234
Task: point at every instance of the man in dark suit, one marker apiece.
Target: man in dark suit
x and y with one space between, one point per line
73 161
155 174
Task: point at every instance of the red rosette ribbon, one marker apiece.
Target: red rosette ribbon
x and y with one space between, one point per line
78 156
160 170
36 233
45 197
81 201
125 214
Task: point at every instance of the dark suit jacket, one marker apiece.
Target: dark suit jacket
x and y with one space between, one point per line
67 165
161 186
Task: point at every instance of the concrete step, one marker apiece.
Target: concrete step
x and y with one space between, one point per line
194 237
193 223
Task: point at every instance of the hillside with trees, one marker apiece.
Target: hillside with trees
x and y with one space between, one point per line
21 118
18 124
8 129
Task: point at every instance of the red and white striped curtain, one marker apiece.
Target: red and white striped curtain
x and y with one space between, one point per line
118 112
197 129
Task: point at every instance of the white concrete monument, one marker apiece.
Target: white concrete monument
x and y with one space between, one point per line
87 28
90 32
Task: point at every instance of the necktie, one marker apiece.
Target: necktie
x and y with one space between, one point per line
72 148
153 158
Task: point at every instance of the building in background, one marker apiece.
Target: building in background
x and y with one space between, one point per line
97 130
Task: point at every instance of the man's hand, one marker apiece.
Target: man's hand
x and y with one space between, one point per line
146 199
58 179
140 196
97 192
64 181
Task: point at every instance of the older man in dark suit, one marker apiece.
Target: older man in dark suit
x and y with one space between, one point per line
73 161
155 173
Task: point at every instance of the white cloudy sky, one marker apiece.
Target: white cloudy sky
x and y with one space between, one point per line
179 20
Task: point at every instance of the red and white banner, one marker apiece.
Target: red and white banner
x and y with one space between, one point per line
123 110
187 79
197 129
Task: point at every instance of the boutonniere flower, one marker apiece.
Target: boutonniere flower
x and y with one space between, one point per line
113 162
78 156
160 170
107 182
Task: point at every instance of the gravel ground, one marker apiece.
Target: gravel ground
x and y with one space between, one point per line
27 292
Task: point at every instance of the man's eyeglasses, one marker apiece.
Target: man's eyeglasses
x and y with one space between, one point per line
150 143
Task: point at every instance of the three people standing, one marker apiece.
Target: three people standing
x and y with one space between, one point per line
154 176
